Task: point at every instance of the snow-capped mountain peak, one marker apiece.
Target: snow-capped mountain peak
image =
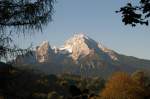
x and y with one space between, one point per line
43 52
44 43
80 45
80 54
77 46
80 35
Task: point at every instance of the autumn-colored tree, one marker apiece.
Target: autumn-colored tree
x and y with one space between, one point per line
122 86
142 78
139 77
21 16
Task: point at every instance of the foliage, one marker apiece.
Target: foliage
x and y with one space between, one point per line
122 86
21 16
138 14
25 14
28 84
142 79
24 83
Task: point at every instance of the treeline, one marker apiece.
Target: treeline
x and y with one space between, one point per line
28 84
18 83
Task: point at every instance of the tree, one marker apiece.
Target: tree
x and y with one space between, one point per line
122 86
143 80
136 14
21 16
139 77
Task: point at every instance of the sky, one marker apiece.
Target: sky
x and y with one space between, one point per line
98 20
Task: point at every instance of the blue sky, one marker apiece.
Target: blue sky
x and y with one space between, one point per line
97 19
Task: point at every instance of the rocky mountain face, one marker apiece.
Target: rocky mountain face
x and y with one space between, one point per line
81 45
81 55
44 53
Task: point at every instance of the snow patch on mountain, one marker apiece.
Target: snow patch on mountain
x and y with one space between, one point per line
80 45
111 53
77 46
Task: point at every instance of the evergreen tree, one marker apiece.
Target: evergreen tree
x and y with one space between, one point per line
21 16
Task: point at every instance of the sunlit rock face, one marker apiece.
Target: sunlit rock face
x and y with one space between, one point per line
44 53
77 46
80 45
79 54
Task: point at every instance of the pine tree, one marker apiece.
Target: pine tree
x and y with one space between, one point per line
21 16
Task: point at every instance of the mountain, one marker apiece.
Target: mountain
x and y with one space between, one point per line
81 45
80 55
44 52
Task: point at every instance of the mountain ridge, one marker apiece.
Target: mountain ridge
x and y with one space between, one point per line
81 52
